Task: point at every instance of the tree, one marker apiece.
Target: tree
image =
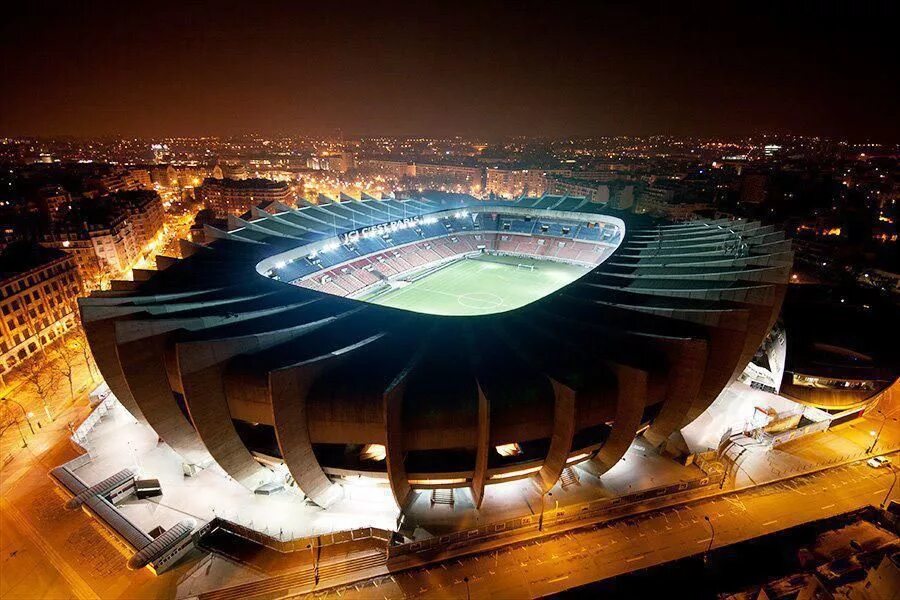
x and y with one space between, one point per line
98 273
41 378
7 418
77 338
63 356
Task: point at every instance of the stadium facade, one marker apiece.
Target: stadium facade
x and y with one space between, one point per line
251 352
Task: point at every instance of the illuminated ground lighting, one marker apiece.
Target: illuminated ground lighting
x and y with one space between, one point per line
516 473
512 449
374 452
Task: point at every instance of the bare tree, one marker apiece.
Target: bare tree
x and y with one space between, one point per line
98 273
78 339
64 356
41 378
7 418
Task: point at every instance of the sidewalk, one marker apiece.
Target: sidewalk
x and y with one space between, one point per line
845 442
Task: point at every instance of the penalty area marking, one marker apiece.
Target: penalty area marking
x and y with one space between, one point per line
480 300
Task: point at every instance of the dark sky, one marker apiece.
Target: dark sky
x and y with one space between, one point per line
490 69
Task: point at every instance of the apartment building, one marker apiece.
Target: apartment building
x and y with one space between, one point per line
38 291
236 196
107 236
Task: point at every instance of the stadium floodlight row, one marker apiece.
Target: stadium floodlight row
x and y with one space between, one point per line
232 364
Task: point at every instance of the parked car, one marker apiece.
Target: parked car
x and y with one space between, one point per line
876 462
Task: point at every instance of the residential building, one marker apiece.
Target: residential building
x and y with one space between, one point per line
513 183
106 237
145 208
341 163
394 169
594 191
118 180
38 291
236 196
229 170
54 200
164 175
143 177
465 179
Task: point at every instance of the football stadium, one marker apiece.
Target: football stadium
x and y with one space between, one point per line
438 341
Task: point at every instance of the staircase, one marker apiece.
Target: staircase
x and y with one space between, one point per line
442 496
569 478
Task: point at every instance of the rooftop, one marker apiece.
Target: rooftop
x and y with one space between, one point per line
23 256
246 184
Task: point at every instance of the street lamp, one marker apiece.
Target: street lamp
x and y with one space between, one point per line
25 413
890 489
19 429
541 519
466 580
877 435
712 536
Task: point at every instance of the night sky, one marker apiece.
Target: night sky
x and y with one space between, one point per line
435 68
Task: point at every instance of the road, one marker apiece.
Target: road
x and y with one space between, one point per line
26 571
578 557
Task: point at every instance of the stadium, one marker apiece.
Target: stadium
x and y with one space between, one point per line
435 342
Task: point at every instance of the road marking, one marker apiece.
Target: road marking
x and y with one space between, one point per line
879 492
828 506
634 558
769 522
563 578
704 541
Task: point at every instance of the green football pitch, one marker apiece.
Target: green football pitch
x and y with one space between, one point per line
478 286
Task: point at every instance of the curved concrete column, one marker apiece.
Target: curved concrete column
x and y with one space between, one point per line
561 438
202 366
202 372
394 450
144 364
288 389
479 475
101 336
686 361
724 349
632 392
99 314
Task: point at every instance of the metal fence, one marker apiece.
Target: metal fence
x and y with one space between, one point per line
296 544
568 514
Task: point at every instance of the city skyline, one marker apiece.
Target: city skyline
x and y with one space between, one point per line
492 71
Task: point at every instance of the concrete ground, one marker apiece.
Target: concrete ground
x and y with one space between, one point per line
119 442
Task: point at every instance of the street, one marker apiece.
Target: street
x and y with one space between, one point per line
550 565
